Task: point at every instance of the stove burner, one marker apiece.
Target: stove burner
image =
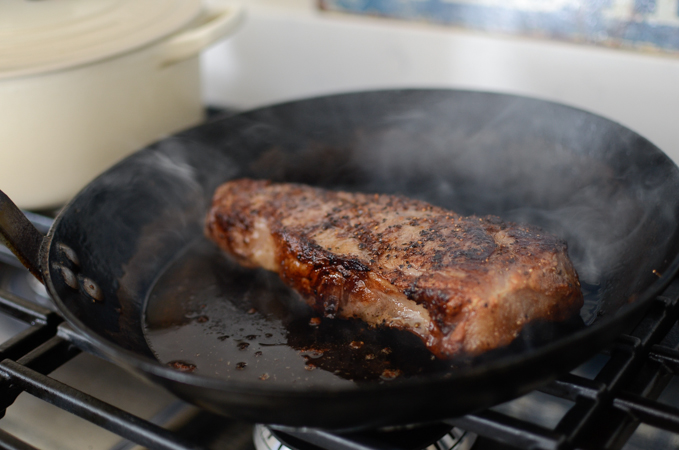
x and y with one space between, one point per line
408 438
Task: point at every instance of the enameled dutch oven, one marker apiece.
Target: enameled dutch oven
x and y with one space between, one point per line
83 84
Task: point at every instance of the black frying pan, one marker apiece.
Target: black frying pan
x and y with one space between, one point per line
128 266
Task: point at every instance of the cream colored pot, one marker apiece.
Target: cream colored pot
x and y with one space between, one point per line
84 83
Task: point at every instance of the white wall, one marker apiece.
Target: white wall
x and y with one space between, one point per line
288 50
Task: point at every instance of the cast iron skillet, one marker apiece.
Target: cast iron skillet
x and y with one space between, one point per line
129 268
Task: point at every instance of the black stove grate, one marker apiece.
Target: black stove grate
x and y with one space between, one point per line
609 408
605 412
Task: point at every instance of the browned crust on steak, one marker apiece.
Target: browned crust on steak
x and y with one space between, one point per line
463 284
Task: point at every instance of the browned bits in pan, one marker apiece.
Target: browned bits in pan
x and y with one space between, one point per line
182 366
390 374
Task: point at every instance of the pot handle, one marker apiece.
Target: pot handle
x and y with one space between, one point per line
19 235
217 22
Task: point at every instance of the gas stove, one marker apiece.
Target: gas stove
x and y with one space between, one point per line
59 397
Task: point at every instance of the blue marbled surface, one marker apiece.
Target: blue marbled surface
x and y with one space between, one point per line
647 25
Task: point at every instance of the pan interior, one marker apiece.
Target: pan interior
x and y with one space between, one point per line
138 228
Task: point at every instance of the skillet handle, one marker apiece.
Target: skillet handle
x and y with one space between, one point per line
19 235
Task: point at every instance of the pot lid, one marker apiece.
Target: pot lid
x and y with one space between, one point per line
47 35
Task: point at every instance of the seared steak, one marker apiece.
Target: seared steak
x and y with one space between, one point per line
464 285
